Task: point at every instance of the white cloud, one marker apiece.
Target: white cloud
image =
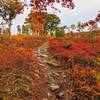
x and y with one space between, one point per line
84 10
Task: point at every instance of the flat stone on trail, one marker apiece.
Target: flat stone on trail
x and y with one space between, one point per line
45 99
61 94
54 87
53 63
43 55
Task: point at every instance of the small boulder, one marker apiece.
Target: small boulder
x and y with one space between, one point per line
54 87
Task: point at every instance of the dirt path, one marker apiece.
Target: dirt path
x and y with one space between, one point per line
53 74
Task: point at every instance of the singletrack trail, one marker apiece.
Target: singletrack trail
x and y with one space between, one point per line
58 82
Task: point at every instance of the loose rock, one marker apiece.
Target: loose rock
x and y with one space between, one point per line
54 87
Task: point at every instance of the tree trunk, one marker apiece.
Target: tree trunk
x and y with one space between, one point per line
10 23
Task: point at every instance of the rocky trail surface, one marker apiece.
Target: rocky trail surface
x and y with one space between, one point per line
56 79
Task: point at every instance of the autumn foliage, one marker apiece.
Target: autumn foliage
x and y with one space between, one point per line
80 53
42 4
20 75
78 56
36 22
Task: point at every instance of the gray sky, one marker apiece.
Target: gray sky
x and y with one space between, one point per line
84 10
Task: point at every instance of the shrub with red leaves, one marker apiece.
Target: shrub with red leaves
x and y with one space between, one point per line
14 57
82 54
83 49
21 77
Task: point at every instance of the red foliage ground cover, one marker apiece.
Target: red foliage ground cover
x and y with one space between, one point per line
80 53
21 77
79 47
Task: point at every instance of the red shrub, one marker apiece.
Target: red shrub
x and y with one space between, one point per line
12 56
75 49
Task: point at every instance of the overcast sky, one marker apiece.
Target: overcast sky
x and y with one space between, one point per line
83 11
